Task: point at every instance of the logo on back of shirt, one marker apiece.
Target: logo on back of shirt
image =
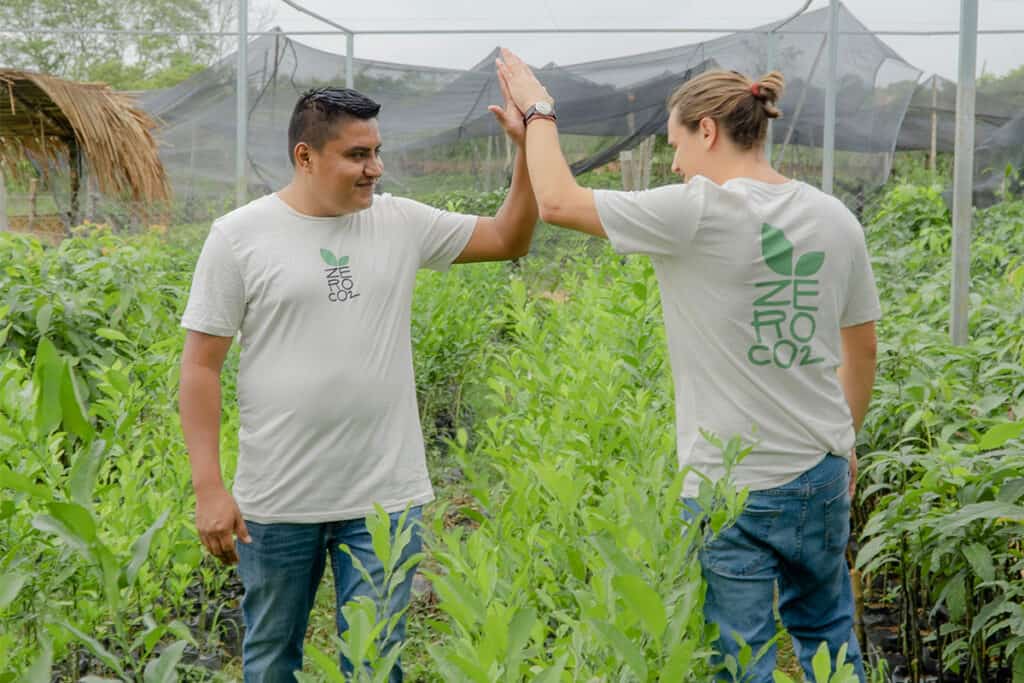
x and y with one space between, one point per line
784 311
341 286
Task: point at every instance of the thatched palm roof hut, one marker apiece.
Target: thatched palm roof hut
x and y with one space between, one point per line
85 125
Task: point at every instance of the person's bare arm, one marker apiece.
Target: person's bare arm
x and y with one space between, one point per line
560 199
217 513
508 234
857 372
857 377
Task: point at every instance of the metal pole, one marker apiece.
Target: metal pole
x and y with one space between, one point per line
963 171
772 49
773 46
242 102
933 152
350 48
828 157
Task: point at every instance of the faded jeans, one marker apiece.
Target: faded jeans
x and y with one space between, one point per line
281 570
793 536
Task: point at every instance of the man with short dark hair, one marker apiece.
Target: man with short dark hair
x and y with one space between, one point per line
318 279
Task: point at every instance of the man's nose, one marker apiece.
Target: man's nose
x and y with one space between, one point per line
374 167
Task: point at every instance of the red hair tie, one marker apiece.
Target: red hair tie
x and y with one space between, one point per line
755 88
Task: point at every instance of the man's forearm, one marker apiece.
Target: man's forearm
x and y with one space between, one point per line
549 171
200 409
857 378
517 216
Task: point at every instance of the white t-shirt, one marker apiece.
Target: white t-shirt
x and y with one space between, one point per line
756 281
329 424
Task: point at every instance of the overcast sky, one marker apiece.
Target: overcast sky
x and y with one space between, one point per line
933 54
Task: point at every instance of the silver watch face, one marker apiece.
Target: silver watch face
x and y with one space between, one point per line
543 108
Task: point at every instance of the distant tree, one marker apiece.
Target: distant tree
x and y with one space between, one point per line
1009 86
125 61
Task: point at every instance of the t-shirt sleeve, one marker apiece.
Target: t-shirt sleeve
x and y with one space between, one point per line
441 235
216 302
862 304
658 222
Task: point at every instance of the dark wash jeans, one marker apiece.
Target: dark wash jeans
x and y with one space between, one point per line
281 570
795 536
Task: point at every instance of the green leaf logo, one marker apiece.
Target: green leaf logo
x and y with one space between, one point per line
778 253
343 261
777 250
810 263
329 258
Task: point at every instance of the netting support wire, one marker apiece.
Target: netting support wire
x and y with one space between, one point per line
963 171
242 105
773 46
350 39
828 156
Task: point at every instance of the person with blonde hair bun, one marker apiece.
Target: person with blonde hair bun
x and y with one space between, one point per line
770 308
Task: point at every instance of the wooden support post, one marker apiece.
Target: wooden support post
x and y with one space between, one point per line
626 169
75 171
646 162
33 191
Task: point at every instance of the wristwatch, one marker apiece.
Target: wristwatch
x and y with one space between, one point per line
540 110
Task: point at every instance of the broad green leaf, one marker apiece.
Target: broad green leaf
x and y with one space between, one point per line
76 518
870 550
643 600
998 435
810 263
342 261
458 600
140 549
990 511
822 664
112 335
97 649
981 561
679 662
10 585
41 668
49 368
84 470
1011 491
956 598
51 525
777 250
519 629
328 257
553 674
780 677
164 669
72 410
379 525
4 332
43 317
626 648
17 481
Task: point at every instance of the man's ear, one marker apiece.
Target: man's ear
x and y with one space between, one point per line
303 156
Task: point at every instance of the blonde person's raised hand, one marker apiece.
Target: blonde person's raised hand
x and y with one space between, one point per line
522 85
510 116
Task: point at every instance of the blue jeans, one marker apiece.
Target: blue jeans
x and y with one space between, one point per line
795 536
281 570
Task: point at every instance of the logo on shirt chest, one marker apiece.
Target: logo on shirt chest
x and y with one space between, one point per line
784 311
341 285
